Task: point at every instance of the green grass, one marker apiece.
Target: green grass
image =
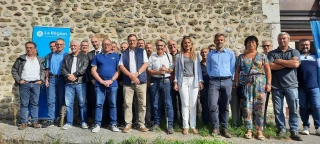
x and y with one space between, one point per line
270 130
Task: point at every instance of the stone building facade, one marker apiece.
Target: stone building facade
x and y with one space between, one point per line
115 19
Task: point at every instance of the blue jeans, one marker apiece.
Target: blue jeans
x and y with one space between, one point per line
163 87
309 97
111 94
29 93
293 104
55 97
78 90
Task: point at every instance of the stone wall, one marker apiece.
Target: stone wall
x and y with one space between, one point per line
115 19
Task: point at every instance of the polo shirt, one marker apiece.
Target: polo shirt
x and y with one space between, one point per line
221 64
287 77
54 64
107 65
308 72
156 62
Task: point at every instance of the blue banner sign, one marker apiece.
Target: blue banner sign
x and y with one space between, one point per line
42 36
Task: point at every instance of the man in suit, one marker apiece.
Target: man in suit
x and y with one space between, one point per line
91 95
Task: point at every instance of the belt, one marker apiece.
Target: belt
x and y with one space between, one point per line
159 78
55 76
220 78
186 75
31 81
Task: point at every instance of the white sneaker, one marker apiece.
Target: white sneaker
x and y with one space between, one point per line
66 126
114 128
96 129
318 131
306 130
84 126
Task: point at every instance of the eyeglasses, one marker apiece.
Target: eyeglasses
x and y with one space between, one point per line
106 44
265 45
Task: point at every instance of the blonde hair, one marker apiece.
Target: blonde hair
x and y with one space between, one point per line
192 50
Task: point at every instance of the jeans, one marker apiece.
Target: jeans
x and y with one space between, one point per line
293 104
309 97
204 103
29 93
56 97
189 97
219 100
78 90
111 94
163 87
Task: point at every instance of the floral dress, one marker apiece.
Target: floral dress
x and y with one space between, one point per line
255 82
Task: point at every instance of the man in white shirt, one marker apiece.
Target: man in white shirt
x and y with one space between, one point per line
28 71
133 64
160 67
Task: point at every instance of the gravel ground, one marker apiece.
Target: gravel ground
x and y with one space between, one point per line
81 136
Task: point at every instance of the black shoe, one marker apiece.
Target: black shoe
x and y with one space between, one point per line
170 130
295 136
46 124
154 127
282 133
215 132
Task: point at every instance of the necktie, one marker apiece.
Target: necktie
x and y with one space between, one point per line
97 52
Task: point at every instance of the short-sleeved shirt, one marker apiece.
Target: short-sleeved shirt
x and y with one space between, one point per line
107 65
54 64
308 72
156 62
287 77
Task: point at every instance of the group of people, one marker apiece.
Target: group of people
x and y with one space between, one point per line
140 84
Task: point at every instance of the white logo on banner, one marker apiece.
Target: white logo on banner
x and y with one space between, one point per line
39 33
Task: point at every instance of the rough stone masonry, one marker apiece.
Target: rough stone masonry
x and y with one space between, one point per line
115 19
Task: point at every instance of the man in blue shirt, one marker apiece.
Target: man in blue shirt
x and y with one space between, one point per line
309 94
220 68
105 71
56 85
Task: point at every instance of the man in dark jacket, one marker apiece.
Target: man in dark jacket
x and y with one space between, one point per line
29 73
91 95
73 69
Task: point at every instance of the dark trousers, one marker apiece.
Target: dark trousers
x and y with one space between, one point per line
176 103
91 100
120 110
205 115
265 109
219 103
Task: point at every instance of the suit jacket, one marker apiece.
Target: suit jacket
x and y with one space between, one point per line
91 55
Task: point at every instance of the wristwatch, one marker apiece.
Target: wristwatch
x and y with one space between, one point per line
139 73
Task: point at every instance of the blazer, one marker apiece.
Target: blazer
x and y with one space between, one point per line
179 67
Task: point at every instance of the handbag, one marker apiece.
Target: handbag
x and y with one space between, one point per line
241 89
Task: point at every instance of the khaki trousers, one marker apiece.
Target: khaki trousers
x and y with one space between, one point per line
128 92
